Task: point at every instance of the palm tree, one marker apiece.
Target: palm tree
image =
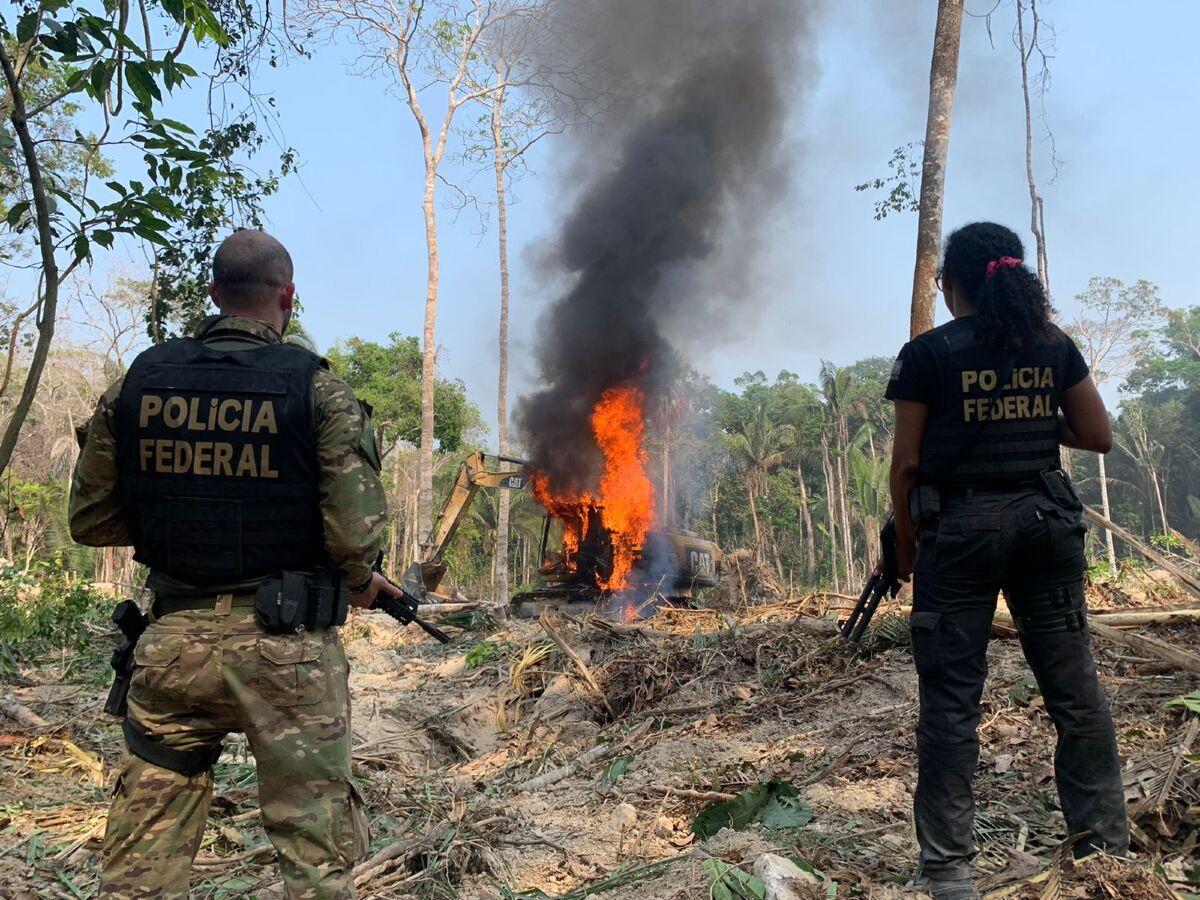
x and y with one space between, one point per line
840 390
872 489
758 447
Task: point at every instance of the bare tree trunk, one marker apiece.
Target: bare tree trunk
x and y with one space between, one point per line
843 441
500 554
831 504
943 77
810 562
428 360
715 501
758 540
49 275
1036 207
1108 536
667 506
1162 511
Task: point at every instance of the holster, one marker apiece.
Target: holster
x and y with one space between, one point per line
291 602
924 504
132 622
1057 486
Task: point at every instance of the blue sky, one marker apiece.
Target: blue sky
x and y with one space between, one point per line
1123 105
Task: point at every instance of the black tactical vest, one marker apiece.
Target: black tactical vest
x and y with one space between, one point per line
216 454
1010 428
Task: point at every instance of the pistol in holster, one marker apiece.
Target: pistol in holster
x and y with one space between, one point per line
132 622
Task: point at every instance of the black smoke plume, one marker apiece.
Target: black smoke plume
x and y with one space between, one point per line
677 178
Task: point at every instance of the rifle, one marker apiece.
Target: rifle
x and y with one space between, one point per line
884 579
132 622
404 608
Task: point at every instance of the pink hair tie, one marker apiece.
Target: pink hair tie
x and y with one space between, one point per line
1004 262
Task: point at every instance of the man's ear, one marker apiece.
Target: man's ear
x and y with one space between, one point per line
212 295
287 294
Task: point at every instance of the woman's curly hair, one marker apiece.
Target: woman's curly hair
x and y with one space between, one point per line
1011 306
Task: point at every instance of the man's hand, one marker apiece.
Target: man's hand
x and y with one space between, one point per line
366 597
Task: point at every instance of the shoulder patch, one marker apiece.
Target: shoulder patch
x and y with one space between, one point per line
897 368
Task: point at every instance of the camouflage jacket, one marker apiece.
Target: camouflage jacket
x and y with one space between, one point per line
353 506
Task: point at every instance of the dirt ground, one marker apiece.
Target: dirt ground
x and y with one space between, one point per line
494 769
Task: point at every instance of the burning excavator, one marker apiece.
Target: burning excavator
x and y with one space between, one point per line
611 549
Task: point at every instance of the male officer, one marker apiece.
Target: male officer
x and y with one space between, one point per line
224 459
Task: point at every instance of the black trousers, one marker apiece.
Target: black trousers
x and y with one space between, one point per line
1026 545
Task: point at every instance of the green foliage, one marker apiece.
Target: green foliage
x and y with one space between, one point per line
615 770
46 607
1190 702
84 63
902 184
482 653
774 803
728 882
389 378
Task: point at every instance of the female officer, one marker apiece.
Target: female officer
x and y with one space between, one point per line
982 405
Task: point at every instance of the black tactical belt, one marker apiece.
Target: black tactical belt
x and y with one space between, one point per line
988 487
164 606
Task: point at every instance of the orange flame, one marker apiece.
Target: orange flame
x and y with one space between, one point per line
625 499
626 495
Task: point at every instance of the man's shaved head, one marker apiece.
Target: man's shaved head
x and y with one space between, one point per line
248 269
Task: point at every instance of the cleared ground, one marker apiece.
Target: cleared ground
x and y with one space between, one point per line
506 766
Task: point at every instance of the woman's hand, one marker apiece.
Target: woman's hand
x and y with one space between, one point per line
906 555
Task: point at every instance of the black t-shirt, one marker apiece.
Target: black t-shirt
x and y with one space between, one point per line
980 430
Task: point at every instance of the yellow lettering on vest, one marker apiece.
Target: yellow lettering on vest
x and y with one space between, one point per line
202 465
145 454
151 406
1041 406
265 470
1047 380
969 378
1022 407
222 456
194 423
247 465
183 457
1010 407
212 413
223 419
174 412
987 379
246 415
162 456
266 418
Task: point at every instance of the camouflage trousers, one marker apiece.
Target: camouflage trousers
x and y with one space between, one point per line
201 675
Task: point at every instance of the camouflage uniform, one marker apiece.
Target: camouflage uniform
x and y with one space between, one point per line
204 673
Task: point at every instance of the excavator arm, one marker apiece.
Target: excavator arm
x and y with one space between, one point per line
472 475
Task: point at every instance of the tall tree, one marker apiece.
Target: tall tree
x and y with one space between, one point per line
1026 48
1115 329
758 447
433 50
104 68
515 122
943 77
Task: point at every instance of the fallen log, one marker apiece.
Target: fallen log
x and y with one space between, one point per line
576 660
1148 646
1190 582
1146 617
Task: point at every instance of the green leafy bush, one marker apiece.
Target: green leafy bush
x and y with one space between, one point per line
46 607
